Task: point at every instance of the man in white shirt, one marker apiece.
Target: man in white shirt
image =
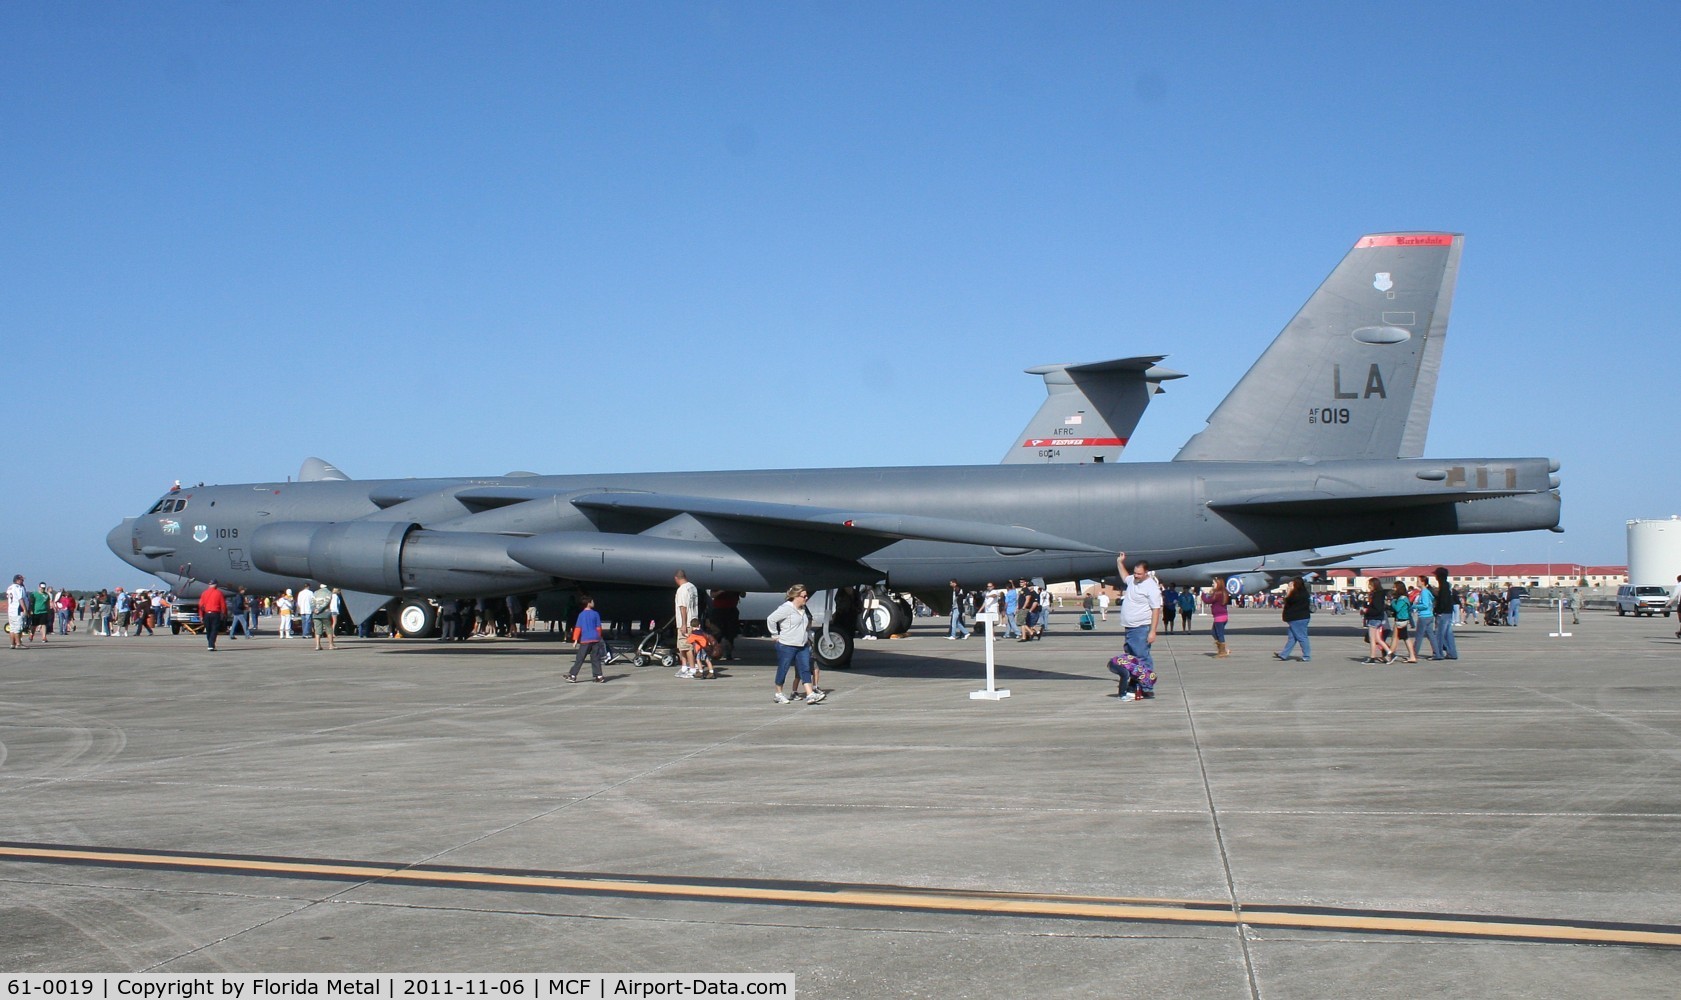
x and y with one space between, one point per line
306 607
1141 609
687 613
15 614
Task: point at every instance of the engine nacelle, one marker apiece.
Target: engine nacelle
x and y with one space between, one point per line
360 555
393 557
356 555
465 564
283 548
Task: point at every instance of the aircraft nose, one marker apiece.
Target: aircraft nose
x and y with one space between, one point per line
121 541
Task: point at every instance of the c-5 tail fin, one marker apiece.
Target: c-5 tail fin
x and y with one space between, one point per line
1353 376
1090 410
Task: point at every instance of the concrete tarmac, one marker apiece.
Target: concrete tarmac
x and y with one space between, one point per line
1501 825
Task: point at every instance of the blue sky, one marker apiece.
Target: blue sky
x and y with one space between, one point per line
427 239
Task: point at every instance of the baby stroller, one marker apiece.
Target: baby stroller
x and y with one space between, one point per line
1138 681
658 646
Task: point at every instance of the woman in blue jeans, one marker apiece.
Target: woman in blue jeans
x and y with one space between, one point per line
1424 606
1298 609
790 626
1446 600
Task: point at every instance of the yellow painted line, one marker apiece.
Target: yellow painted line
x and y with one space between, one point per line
1204 912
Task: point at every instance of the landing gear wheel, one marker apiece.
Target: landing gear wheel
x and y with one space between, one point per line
877 621
903 615
833 650
417 619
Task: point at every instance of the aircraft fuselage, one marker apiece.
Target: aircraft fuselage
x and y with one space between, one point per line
430 537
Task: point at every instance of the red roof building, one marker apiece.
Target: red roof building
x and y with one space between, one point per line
1478 574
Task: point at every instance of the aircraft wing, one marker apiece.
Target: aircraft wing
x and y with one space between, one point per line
640 538
842 524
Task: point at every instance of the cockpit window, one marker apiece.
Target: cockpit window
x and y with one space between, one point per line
168 505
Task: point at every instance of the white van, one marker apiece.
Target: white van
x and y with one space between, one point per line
1642 600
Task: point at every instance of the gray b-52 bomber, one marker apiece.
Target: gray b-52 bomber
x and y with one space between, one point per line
1320 443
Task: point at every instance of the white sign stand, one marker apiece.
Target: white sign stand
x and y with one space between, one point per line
1561 633
992 692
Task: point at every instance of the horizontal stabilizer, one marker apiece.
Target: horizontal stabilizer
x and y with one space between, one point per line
1317 503
1145 366
1339 557
851 524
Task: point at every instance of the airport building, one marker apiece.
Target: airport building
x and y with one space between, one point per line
1487 575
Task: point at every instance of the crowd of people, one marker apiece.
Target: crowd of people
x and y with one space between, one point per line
1401 619
46 611
118 613
1020 608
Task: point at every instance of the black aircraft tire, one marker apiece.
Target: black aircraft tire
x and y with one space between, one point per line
833 650
417 619
903 615
878 620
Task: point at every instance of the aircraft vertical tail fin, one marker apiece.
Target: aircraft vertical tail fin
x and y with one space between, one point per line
1353 375
1090 410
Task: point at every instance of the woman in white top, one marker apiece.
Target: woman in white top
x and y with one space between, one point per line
790 626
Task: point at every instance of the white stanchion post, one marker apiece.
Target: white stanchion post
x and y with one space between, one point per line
992 692
1561 633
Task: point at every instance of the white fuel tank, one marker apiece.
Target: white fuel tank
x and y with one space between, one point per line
1654 552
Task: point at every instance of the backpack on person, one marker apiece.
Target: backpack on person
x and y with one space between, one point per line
1134 675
